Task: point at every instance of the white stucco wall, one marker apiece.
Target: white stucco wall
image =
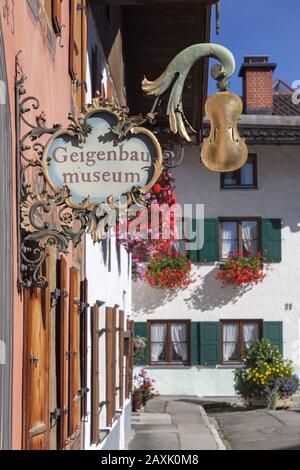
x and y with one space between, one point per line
112 287
277 298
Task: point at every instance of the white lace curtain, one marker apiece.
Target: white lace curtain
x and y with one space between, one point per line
249 233
158 339
230 341
179 338
250 332
229 238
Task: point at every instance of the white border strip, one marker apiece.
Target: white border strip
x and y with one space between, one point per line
211 427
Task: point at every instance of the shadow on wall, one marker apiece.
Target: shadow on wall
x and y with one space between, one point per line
204 295
209 294
147 299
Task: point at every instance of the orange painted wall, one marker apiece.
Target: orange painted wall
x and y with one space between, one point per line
49 81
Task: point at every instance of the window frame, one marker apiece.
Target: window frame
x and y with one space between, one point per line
169 342
239 221
240 322
238 177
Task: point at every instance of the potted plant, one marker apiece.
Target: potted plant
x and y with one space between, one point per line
242 269
266 379
143 390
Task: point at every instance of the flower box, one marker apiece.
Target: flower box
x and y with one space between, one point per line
262 402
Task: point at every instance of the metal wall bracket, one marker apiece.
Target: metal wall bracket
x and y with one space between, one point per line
102 331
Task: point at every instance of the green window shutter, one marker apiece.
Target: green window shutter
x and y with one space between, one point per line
210 250
271 239
273 332
141 329
195 349
210 343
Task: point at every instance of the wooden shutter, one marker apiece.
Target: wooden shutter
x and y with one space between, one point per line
121 359
127 384
78 50
83 345
109 366
53 347
271 239
195 343
83 88
63 346
114 360
273 332
210 343
95 398
36 367
73 49
56 16
130 370
141 329
210 249
74 356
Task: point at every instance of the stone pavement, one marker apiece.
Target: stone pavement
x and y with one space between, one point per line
172 423
258 429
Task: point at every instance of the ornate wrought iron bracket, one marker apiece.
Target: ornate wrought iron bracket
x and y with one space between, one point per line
47 215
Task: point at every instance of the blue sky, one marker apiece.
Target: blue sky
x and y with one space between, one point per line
268 27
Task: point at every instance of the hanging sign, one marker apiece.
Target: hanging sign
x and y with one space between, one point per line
102 155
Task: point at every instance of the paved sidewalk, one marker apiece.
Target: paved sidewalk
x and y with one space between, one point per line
258 429
171 423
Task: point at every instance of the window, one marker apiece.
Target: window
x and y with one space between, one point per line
239 236
169 341
237 335
245 177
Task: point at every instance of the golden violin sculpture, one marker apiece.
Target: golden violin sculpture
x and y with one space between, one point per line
224 150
